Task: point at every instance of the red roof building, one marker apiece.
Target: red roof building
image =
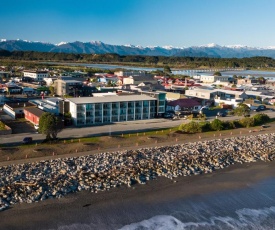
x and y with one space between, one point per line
183 104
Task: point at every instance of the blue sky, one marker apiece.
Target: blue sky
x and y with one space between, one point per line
180 23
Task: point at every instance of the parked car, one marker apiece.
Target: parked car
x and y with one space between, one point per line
221 114
168 115
260 108
27 140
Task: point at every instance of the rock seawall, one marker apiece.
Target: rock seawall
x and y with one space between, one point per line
37 181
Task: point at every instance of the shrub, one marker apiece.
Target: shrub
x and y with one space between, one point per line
216 125
247 122
191 127
235 124
261 118
205 126
228 125
2 126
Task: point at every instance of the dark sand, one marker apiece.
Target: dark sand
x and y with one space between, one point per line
121 206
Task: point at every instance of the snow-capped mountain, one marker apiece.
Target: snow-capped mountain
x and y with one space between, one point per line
97 47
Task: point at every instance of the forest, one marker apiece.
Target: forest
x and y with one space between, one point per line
139 60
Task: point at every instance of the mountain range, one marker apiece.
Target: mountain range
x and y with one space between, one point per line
97 47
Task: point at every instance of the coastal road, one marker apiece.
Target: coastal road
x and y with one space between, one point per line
111 129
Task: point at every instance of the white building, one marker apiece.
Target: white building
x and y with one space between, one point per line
36 75
212 79
99 110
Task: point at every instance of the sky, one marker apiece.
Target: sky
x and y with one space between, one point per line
177 23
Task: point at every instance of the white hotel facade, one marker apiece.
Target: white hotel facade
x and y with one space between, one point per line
36 75
99 110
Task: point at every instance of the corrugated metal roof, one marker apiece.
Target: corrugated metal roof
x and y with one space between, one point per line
86 100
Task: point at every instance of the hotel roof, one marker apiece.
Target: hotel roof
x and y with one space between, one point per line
85 100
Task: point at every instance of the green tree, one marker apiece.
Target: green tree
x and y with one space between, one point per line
242 110
51 89
217 74
167 70
50 125
261 118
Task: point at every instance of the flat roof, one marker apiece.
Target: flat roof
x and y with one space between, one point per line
34 110
86 100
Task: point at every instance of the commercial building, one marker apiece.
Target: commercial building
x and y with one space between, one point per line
36 75
212 79
33 114
99 110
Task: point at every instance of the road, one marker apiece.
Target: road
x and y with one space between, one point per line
111 129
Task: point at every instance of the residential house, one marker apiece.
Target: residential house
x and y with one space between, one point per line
184 104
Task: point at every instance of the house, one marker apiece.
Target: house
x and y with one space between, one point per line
33 114
16 110
101 110
183 104
204 94
247 81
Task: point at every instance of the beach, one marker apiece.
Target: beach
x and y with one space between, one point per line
122 206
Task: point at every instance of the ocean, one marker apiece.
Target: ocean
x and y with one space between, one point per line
249 208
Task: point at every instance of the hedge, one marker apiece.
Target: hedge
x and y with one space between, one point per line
217 125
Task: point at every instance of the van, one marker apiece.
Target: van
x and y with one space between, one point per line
27 140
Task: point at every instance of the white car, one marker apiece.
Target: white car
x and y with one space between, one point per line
36 127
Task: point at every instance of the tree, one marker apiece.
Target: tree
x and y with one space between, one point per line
167 70
50 125
217 74
242 110
51 89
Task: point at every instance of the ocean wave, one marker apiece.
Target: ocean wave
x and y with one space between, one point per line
245 219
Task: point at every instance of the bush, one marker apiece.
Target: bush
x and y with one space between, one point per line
191 127
216 125
247 122
228 125
261 118
235 124
205 126
2 126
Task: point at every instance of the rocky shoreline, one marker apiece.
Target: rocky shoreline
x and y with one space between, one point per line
33 182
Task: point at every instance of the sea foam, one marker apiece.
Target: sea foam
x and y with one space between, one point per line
244 219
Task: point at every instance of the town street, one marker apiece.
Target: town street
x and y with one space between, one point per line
111 129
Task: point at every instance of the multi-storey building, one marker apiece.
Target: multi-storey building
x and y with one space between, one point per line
36 75
99 110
